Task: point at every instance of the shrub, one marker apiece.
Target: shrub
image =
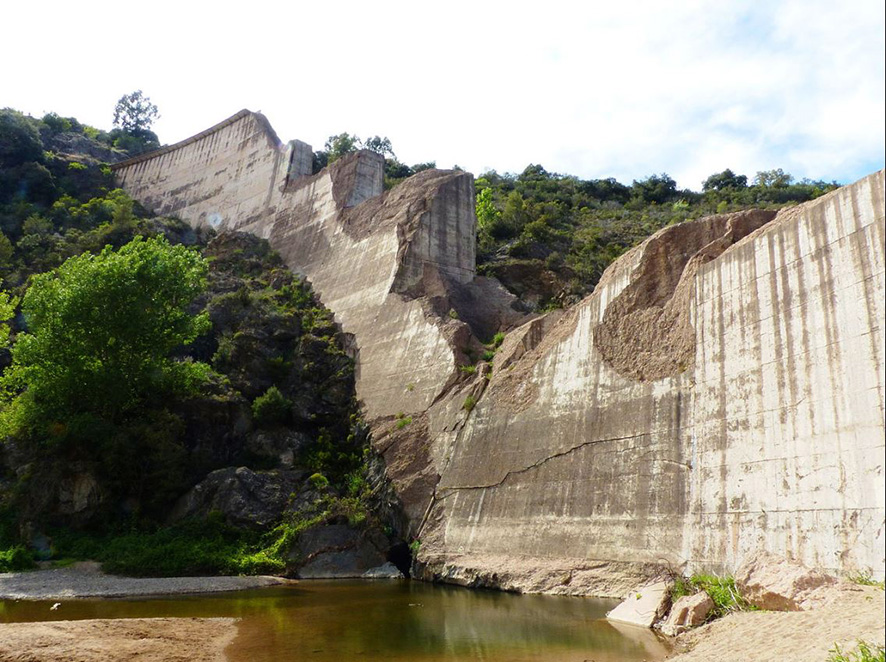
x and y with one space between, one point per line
865 579
16 559
272 408
204 547
318 481
864 652
721 590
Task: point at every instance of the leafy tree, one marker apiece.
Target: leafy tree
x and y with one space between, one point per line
380 146
344 143
487 214
7 310
135 113
101 329
19 139
656 188
725 180
56 123
514 216
777 178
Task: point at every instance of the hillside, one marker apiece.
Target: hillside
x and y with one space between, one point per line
274 412
531 422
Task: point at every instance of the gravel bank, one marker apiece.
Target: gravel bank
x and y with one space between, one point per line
86 580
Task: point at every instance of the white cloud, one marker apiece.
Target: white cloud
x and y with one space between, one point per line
617 89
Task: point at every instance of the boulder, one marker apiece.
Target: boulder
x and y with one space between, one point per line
775 584
244 497
335 551
386 571
645 605
78 493
278 444
687 612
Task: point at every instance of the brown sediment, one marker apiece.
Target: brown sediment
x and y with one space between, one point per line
101 640
646 333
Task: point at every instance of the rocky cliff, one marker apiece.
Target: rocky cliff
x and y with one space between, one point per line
722 391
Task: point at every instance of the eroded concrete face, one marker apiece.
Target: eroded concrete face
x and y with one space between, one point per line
768 436
362 250
720 393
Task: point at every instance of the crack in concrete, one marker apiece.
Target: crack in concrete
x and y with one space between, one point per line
535 465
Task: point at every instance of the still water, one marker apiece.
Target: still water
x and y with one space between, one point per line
326 621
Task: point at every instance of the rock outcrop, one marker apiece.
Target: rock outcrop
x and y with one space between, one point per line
775 584
243 497
721 392
687 612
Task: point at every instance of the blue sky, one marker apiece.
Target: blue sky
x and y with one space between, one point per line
620 90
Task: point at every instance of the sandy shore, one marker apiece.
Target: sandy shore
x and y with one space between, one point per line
850 613
86 580
139 639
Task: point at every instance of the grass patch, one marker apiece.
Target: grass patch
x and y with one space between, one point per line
722 591
865 579
469 403
208 547
864 652
16 559
469 369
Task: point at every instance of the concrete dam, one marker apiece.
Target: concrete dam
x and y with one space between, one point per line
720 393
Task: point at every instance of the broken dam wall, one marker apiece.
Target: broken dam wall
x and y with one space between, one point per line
721 392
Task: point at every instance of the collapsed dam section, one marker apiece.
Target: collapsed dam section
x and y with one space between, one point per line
721 392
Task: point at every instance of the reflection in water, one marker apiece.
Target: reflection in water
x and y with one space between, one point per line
324 621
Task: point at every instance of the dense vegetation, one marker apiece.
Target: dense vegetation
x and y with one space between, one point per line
144 355
549 237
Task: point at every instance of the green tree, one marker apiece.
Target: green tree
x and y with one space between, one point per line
725 180
19 139
7 310
337 146
380 145
655 188
487 213
135 113
514 217
101 329
777 178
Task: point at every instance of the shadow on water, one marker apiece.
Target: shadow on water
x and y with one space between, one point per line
324 621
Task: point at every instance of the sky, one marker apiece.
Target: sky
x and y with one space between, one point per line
594 89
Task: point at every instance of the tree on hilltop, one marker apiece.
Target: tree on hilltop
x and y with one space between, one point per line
134 113
725 180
